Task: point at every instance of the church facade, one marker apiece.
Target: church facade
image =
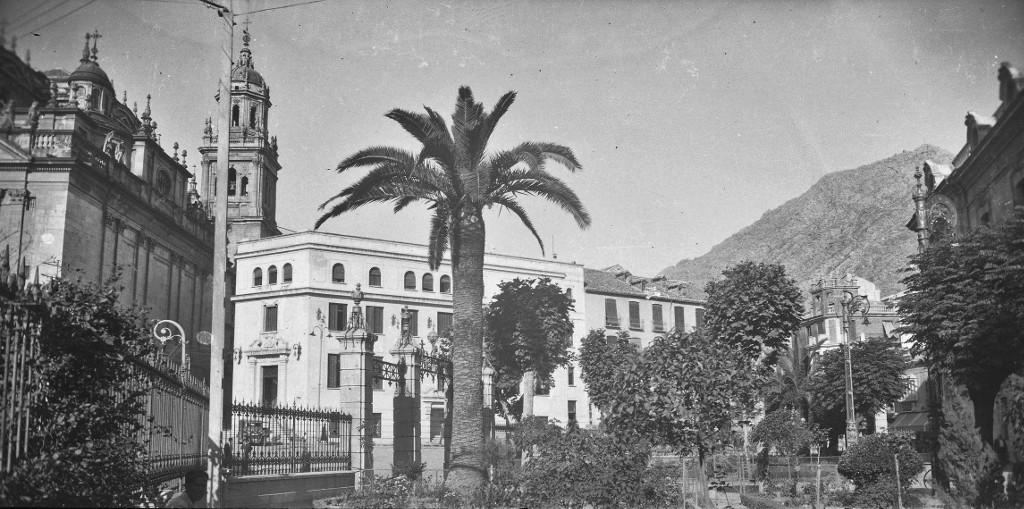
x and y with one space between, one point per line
88 193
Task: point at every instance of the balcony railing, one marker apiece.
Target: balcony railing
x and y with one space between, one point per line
636 324
658 326
611 322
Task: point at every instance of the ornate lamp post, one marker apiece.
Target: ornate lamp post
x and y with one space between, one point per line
320 328
850 305
166 330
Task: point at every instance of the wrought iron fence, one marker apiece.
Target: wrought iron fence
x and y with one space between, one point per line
20 332
270 439
176 418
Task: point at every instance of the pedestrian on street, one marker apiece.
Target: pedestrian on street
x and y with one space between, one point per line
195 491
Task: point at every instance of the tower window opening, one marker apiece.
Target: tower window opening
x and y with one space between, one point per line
245 186
234 116
252 117
232 174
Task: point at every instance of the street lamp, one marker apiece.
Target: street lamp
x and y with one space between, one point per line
320 327
850 305
164 331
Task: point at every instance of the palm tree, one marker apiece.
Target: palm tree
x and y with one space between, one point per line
789 387
455 176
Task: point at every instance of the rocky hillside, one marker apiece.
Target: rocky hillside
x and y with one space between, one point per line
850 221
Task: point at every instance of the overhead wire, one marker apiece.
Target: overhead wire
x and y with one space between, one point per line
36 29
37 16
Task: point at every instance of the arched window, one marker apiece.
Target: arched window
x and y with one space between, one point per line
272 275
257 277
428 282
94 99
286 276
232 176
252 117
234 116
338 273
410 281
245 186
374 277
446 284
1018 193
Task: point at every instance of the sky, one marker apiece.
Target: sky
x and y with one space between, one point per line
691 119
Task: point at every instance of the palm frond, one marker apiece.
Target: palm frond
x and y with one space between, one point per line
540 183
382 184
375 156
404 202
416 124
552 151
439 230
491 119
510 204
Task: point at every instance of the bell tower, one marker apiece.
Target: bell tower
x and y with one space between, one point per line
253 165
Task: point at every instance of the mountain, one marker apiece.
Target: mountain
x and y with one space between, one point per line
850 221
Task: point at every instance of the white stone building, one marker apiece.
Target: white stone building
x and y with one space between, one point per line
292 288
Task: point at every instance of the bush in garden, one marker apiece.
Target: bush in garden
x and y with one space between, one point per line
82 448
577 467
870 464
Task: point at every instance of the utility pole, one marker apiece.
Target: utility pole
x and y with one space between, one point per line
215 491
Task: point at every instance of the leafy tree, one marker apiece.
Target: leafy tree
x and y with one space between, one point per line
964 459
871 465
784 430
454 175
684 392
602 363
755 308
965 307
878 367
529 334
83 449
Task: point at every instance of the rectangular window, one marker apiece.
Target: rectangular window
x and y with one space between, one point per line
572 411
572 375
269 385
337 316
436 422
333 370
680 318
634 315
700 317
657 318
375 423
375 319
378 383
911 383
270 318
444 325
611 314
414 322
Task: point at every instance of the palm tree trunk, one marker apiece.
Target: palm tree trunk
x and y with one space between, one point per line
467 471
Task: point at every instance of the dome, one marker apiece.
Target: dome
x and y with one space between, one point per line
90 71
248 75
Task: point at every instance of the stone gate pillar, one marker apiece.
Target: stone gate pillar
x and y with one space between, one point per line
407 437
357 384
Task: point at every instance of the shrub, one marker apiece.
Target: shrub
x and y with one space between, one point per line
871 466
575 467
755 502
87 402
